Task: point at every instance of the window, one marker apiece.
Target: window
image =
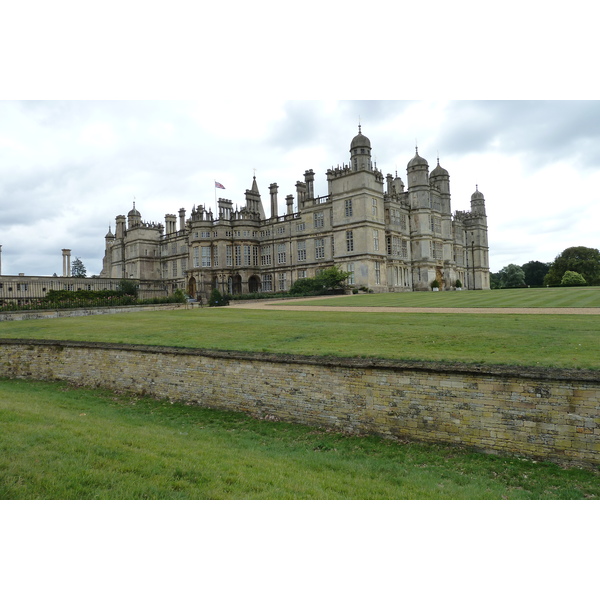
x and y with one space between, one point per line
183 265
268 282
301 227
302 274
255 256
229 258
301 251
376 241
281 254
238 256
174 268
349 241
319 219
377 273
281 281
206 256
319 248
348 208
404 249
215 256
280 230
403 221
374 207
265 255
350 268
205 234
246 256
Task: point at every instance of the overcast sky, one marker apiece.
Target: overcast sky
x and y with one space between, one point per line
79 141
67 168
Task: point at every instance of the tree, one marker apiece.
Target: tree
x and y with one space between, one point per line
217 299
582 260
329 279
332 278
128 287
535 271
572 278
78 268
512 276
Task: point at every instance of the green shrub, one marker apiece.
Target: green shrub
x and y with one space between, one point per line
571 278
217 299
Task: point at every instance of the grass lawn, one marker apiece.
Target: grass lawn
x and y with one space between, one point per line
61 442
580 297
565 341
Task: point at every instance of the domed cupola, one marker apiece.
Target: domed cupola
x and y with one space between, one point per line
110 235
440 178
477 202
134 217
439 171
477 195
418 171
360 152
417 161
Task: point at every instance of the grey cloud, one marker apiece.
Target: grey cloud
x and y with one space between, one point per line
542 131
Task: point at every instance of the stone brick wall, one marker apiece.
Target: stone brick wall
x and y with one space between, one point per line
548 414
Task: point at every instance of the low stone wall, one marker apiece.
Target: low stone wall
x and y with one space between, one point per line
546 414
23 315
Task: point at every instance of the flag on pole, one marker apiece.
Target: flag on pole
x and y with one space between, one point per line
219 185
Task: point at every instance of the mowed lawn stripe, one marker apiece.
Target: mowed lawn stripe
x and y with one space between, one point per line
561 341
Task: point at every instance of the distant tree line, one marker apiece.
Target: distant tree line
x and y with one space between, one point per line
577 265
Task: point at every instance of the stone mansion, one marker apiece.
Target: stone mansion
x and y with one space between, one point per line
390 237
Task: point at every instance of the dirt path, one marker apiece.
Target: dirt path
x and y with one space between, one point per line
287 305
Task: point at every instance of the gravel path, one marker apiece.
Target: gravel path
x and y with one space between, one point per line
286 305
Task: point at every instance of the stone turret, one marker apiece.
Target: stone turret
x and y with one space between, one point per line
360 152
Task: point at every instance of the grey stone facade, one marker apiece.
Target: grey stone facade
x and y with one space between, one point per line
387 237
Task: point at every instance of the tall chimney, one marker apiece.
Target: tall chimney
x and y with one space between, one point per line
273 189
66 255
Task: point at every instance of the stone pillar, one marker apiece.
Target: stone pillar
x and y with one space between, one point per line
289 201
181 219
66 255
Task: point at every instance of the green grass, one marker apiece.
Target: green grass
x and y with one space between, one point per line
565 341
61 442
583 297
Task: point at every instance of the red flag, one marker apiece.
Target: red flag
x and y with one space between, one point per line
219 185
